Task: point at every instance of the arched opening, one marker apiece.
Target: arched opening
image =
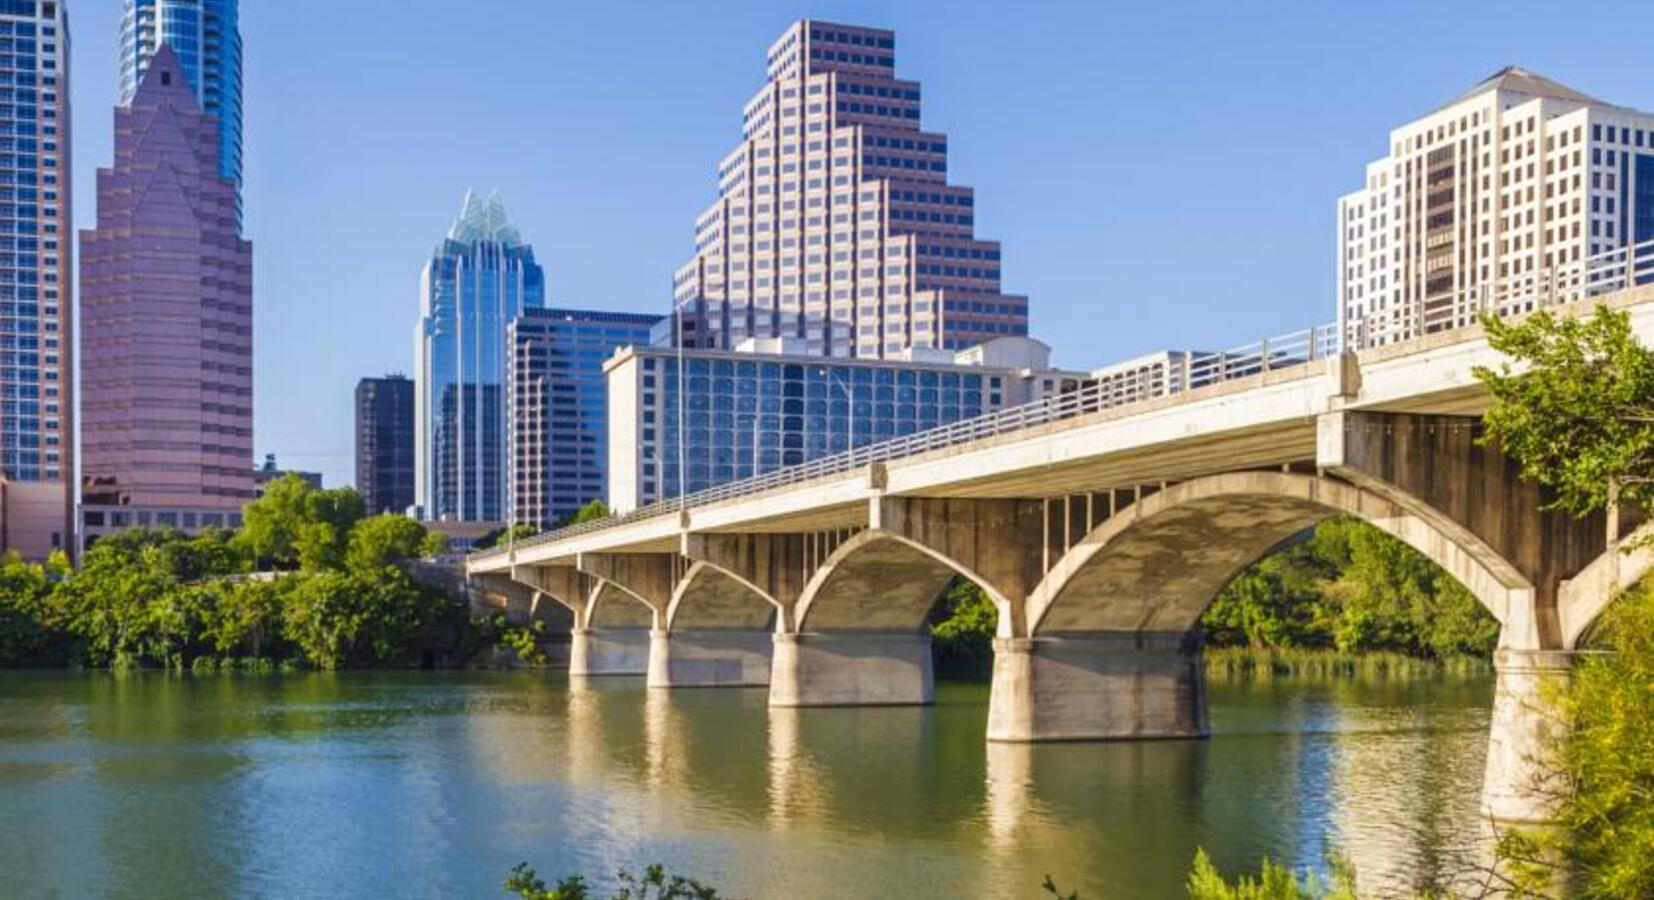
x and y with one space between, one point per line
1157 566
709 598
863 633
611 606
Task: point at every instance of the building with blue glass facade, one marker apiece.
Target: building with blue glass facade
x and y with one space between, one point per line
765 406
559 415
37 441
481 278
206 36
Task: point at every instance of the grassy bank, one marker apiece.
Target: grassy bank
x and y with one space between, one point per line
1301 662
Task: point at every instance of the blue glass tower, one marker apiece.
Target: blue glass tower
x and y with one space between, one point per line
37 437
481 278
206 36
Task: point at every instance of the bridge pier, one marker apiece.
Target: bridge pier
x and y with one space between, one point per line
608 651
1522 784
721 657
1098 686
852 668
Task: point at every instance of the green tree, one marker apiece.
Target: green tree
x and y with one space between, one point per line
591 512
962 636
1274 882
386 540
499 537
270 524
1574 406
1609 758
27 635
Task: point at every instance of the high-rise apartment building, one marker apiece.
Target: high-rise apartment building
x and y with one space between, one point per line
767 405
1518 181
166 395
206 36
559 415
479 279
385 443
37 440
835 223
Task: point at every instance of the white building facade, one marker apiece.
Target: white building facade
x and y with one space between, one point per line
1518 184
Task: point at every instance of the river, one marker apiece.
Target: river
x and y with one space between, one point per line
435 784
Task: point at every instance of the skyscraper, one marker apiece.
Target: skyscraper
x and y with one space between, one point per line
559 418
385 443
1516 181
167 323
206 36
835 222
479 279
37 439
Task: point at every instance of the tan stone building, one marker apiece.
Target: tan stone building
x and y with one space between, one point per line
835 223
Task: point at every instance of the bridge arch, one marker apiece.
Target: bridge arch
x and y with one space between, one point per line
878 580
1156 565
612 606
710 597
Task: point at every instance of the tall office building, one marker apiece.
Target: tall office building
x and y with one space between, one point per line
559 414
206 36
835 223
37 441
1517 179
479 279
385 443
767 405
166 396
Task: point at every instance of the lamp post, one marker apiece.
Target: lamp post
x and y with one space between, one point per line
850 402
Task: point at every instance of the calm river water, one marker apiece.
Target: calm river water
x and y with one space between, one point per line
435 784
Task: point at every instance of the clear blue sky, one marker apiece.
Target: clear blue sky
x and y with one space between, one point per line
1159 174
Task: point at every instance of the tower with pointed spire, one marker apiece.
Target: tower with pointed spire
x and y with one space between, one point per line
480 278
166 394
1517 181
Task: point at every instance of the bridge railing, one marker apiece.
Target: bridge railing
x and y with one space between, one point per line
1525 292
1195 370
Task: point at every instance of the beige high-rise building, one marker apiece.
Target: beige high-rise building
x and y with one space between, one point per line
835 223
1518 184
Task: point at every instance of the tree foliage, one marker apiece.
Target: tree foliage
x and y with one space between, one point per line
653 884
1574 406
591 512
1273 882
340 594
1350 587
1609 759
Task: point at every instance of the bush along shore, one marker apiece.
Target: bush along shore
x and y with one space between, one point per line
1344 600
308 581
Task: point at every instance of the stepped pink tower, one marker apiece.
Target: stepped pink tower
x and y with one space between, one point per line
167 323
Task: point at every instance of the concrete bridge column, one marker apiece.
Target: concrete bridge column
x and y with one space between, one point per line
608 651
1521 784
1098 686
852 668
711 657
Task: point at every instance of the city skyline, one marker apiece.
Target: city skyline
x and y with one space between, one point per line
1272 278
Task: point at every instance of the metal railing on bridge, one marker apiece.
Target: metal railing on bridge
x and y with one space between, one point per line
1190 370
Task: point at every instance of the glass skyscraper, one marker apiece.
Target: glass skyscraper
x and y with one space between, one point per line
385 443
768 405
479 279
36 429
206 36
559 421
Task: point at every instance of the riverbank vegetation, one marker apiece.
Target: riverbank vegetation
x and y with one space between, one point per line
309 580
